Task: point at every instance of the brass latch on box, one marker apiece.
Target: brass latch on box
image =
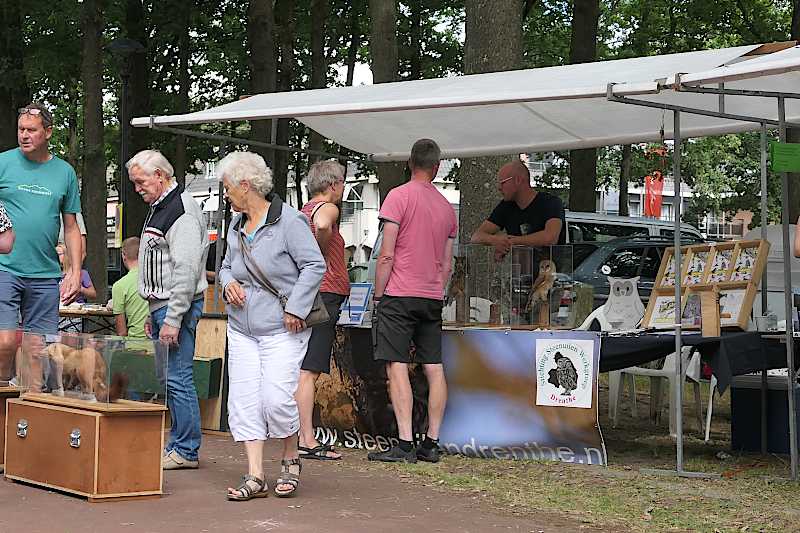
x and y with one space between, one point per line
75 438
22 428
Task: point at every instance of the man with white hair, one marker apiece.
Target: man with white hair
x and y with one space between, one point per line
172 252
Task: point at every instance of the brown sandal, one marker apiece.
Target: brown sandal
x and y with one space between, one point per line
288 477
247 491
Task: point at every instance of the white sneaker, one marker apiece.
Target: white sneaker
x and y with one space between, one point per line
174 461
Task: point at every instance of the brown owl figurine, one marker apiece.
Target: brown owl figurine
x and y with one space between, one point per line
538 300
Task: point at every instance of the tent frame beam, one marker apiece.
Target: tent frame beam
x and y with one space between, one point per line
250 142
735 92
695 111
782 124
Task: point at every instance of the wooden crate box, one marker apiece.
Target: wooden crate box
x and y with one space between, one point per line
97 450
6 392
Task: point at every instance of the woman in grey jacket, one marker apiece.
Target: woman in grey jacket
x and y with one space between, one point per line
267 335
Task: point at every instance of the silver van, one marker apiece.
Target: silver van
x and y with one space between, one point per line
596 227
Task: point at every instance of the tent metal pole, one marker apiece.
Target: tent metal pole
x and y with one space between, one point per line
788 297
249 142
736 92
695 111
678 392
764 294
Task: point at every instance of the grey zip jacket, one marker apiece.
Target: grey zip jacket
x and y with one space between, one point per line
172 253
289 257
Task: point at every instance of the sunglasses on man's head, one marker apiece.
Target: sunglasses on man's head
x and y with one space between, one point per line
29 111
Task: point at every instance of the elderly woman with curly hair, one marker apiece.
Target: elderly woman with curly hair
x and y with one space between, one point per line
269 242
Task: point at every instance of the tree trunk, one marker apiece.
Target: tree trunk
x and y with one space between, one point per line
14 90
263 71
486 50
135 24
385 67
319 64
285 24
184 51
95 190
416 39
793 134
583 163
73 139
355 41
624 177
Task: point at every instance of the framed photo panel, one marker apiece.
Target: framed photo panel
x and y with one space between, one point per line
721 263
732 268
697 264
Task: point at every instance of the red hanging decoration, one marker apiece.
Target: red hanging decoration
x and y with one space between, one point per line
653 193
654 183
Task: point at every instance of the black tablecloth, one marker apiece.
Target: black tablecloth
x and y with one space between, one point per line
732 354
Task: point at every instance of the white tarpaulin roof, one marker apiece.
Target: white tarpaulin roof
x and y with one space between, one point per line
535 110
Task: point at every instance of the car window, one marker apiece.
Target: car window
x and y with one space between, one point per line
652 260
625 262
580 231
581 251
684 235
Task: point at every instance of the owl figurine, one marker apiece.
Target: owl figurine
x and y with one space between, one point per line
540 290
624 308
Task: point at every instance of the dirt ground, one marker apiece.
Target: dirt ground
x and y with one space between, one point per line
348 496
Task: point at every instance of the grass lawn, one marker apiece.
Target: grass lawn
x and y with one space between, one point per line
752 494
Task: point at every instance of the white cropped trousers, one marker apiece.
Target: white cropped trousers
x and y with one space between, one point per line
263 373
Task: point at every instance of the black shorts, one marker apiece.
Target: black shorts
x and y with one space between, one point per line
402 319
318 355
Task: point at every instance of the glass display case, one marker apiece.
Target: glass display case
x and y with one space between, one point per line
80 367
527 287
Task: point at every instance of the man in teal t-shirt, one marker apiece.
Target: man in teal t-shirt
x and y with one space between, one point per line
131 310
39 191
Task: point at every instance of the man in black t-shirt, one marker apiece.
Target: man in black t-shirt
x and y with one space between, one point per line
528 217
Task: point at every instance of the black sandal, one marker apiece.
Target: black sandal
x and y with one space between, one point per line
288 477
318 453
246 490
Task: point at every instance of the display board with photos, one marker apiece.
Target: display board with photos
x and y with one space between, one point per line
734 269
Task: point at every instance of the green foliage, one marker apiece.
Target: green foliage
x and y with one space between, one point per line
724 172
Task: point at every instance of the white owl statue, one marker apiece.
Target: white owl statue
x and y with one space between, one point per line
624 309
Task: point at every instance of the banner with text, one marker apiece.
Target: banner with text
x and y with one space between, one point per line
512 395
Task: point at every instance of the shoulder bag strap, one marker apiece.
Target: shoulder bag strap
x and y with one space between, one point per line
316 208
255 272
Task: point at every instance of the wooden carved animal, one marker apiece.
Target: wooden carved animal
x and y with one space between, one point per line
540 290
85 369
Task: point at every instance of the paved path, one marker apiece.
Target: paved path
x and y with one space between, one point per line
349 496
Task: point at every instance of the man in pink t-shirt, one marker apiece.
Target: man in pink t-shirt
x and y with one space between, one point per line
419 226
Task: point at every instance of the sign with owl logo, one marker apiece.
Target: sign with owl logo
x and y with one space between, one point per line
564 372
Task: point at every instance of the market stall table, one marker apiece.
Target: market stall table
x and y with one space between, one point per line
733 354
98 320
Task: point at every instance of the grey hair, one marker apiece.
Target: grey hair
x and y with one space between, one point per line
149 161
425 154
322 175
238 166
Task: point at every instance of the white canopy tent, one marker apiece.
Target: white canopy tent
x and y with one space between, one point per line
559 108
536 110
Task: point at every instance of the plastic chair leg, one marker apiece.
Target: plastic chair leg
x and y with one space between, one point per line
698 405
632 378
712 388
614 393
673 409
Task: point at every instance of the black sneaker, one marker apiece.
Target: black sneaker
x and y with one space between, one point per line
429 455
395 454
